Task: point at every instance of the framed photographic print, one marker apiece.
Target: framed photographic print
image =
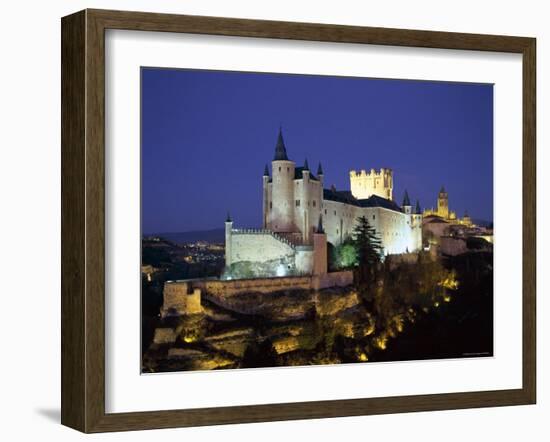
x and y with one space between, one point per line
270 220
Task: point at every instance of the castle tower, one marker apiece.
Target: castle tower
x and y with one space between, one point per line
228 232
406 206
305 203
320 174
265 197
281 208
417 215
417 209
416 224
320 266
443 204
365 184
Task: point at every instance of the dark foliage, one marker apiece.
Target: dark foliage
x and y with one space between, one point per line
259 354
369 251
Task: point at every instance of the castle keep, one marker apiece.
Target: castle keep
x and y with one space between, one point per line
300 216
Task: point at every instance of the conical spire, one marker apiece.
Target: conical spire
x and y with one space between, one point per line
266 171
406 200
320 228
320 169
280 149
306 165
442 190
228 219
417 209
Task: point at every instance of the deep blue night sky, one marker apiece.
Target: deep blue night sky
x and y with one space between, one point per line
206 136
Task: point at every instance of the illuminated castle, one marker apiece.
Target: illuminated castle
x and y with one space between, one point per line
300 216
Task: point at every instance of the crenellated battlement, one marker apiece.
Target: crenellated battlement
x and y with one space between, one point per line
365 183
371 173
290 239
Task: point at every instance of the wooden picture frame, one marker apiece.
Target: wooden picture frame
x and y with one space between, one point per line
83 220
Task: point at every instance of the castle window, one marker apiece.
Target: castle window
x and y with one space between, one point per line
297 203
325 211
271 204
288 169
314 203
279 169
373 216
335 212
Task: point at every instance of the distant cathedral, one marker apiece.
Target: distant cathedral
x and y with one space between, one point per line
300 216
443 211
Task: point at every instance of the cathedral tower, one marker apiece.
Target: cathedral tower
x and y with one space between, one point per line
281 207
443 204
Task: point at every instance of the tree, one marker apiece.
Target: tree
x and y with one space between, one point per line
368 248
344 255
259 354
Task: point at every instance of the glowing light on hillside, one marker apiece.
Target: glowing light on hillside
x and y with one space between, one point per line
450 282
381 342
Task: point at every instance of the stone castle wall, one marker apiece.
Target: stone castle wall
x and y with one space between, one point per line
178 301
252 253
398 231
258 246
308 199
224 288
304 259
181 298
339 219
452 246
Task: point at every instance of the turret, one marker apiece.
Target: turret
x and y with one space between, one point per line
280 148
417 209
266 197
228 238
320 249
406 206
416 234
320 228
305 204
281 210
417 215
305 169
320 174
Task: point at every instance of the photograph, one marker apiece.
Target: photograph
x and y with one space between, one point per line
300 220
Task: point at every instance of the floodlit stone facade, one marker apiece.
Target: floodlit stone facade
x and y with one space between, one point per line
364 184
180 299
300 216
